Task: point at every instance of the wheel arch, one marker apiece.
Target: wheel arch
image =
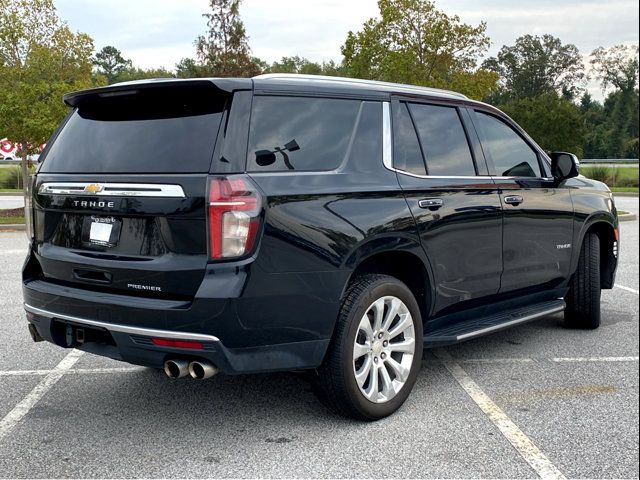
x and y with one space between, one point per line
398 257
605 226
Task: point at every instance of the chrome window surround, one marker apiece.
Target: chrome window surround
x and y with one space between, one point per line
112 189
387 155
114 327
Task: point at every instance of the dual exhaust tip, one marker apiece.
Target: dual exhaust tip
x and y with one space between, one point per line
197 369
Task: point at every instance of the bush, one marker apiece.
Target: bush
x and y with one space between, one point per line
601 174
11 177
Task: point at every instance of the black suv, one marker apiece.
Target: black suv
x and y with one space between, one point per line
304 223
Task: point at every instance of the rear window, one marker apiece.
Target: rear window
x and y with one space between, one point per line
443 140
161 130
299 133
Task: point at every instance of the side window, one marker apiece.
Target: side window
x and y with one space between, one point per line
443 139
511 155
407 155
299 133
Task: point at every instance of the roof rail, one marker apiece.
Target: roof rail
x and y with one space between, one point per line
358 81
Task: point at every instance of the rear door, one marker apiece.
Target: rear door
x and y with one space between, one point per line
120 196
538 215
454 202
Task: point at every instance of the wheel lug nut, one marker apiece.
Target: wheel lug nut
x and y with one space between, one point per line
385 344
380 335
375 359
383 355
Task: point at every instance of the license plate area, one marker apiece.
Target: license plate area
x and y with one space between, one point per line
101 231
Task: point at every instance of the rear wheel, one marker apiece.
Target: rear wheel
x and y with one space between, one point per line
375 355
583 298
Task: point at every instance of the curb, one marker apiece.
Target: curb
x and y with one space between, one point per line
629 217
12 227
625 194
17 194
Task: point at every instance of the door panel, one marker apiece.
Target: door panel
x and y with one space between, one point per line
457 212
538 215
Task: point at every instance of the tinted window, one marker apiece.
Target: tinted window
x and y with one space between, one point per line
511 155
294 133
366 149
164 131
407 155
443 140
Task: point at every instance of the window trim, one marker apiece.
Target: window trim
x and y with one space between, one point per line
388 136
501 117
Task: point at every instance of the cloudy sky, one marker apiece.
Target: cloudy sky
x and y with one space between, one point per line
160 32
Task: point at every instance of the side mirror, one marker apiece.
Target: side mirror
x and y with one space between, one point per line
564 165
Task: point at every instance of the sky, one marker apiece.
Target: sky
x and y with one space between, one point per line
158 33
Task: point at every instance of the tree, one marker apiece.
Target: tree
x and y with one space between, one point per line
110 63
304 66
224 51
40 60
535 66
413 42
617 66
554 122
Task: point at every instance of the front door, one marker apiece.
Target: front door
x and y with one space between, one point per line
538 215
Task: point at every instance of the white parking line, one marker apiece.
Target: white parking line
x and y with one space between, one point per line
595 359
33 397
13 252
627 289
523 444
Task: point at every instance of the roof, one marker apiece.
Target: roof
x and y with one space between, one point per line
319 82
273 82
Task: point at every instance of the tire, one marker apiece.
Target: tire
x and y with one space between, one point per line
583 298
391 372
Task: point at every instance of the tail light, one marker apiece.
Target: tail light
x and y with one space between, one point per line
234 216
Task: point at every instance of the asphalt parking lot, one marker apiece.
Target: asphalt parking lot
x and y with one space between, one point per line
537 400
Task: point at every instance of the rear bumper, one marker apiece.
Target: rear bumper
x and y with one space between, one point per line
134 345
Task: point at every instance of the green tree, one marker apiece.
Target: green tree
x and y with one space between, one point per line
301 65
224 51
616 133
535 66
134 73
554 122
110 63
40 60
413 42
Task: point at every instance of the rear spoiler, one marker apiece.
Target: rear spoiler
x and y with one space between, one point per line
223 85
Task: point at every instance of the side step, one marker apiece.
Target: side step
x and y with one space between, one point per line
477 327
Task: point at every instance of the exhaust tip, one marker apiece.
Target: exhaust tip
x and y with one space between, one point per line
202 370
176 368
35 336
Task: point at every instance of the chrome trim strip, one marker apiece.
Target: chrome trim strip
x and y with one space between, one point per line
147 332
112 189
387 140
516 321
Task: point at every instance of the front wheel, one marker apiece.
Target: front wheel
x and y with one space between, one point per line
583 298
374 358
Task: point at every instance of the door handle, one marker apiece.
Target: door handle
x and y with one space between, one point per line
431 203
513 199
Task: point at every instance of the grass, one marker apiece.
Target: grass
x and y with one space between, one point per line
11 220
624 189
615 177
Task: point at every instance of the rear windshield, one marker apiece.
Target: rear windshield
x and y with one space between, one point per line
160 130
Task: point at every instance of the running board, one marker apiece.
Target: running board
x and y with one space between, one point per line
468 329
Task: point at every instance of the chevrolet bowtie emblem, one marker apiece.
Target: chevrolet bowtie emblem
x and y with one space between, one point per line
93 188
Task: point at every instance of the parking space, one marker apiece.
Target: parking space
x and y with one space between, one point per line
477 410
